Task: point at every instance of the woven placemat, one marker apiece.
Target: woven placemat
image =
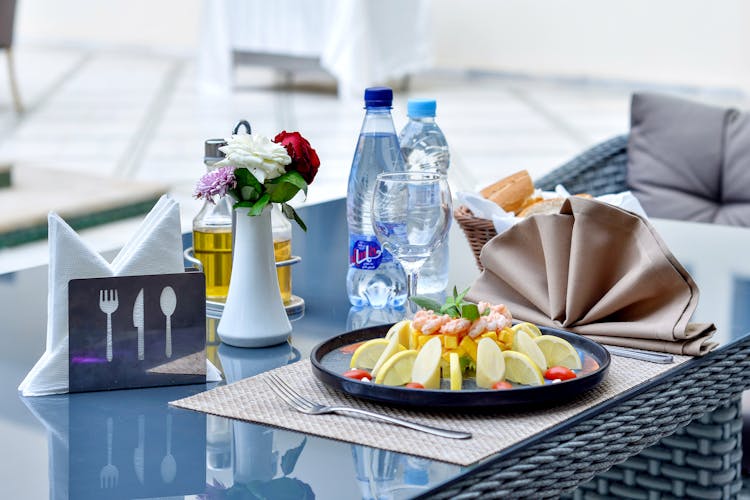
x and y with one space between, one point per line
252 400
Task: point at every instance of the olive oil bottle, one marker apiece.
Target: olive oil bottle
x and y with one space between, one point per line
212 234
282 250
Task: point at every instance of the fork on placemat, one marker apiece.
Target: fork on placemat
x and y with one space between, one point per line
108 304
304 405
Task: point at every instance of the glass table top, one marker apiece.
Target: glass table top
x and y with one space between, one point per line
126 444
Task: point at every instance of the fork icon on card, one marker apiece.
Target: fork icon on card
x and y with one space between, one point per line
108 304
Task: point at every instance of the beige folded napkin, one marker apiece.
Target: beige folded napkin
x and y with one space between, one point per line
596 270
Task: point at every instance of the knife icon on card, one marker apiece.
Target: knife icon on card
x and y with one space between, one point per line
138 321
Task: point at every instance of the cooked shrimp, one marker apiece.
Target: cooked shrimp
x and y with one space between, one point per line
496 322
428 322
456 326
478 327
501 309
483 306
435 324
420 318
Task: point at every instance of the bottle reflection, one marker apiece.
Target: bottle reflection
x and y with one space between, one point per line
239 363
376 471
256 467
242 459
362 317
386 475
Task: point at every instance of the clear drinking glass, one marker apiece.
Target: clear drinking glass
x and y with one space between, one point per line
411 215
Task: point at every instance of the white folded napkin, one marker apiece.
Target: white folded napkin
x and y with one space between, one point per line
502 220
156 248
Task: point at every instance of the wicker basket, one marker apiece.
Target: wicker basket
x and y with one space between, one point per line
478 231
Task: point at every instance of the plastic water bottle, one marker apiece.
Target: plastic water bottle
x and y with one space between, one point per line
424 148
374 278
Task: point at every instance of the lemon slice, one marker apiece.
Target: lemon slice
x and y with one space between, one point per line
368 354
426 369
529 328
559 352
402 330
456 377
392 348
520 369
524 344
397 370
490 363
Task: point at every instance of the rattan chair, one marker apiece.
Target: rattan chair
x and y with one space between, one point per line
597 171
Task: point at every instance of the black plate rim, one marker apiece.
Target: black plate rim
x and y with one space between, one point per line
444 399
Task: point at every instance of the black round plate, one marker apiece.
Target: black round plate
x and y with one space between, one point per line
443 399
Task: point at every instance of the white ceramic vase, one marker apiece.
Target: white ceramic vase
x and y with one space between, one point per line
254 314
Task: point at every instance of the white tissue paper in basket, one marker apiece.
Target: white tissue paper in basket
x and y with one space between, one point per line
156 248
485 209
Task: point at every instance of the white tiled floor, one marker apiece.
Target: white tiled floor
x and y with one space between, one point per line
141 116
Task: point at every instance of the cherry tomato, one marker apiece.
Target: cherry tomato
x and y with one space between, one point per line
357 374
559 372
348 349
414 385
502 385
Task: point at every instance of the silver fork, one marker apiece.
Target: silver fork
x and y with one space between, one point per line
108 304
109 474
303 405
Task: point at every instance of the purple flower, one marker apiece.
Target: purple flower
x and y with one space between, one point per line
215 183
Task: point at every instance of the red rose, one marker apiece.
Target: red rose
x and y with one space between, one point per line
304 158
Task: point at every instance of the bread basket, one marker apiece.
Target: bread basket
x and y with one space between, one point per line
478 231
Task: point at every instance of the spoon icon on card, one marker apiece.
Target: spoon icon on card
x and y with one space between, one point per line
168 303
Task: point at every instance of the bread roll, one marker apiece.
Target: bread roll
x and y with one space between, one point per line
511 192
549 206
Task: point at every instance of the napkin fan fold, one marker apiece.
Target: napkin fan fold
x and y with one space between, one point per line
156 248
596 270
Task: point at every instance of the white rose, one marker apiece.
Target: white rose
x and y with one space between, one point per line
264 158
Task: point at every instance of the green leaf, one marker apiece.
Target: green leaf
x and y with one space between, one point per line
259 205
460 296
248 193
451 310
291 214
426 303
469 311
467 363
292 177
245 178
284 187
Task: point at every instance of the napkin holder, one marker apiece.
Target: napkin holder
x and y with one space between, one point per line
127 332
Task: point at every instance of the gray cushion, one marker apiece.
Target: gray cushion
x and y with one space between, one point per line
689 161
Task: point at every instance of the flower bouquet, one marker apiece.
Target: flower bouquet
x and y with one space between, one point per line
257 171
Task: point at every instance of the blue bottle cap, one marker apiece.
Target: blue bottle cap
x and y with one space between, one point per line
421 108
378 97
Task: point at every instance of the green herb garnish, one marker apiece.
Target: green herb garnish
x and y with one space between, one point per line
455 306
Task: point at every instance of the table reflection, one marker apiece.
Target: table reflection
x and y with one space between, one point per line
122 444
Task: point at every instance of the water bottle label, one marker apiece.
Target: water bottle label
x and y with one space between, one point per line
366 253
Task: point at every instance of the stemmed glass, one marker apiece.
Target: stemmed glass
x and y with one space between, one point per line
411 215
